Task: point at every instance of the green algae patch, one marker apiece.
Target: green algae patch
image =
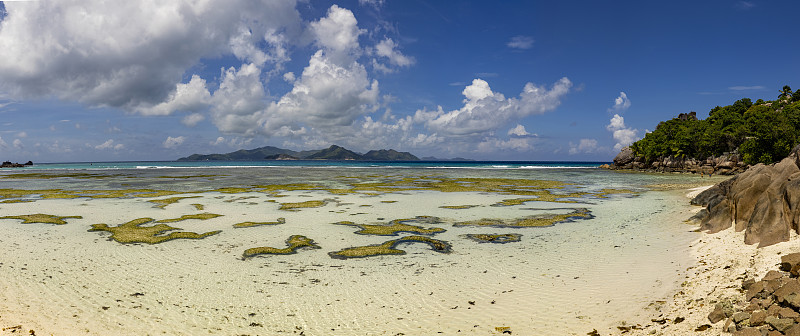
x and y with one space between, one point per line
396 226
42 218
459 207
202 216
443 184
390 248
162 203
11 194
302 205
133 232
199 207
293 244
604 193
232 190
44 176
494 238
388 201
532 221
252 224
15 201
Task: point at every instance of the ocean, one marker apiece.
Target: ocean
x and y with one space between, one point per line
338 248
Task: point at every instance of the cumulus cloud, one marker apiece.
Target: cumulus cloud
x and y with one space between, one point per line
623 135
193 119
337 33
584 146
621 103
387 49
485 110
131 54
519 131
18 144
192 96
172 142
520 42
109 144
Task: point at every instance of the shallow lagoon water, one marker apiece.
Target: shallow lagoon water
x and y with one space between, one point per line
568 278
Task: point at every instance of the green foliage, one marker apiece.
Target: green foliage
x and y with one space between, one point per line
763 132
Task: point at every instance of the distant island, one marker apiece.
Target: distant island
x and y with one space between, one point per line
333 152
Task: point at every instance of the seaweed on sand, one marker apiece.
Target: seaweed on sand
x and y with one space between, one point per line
134 232
389 248
396 226
41 218
532 221
293 244
494 238
252 224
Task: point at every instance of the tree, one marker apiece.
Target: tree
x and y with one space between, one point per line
786 92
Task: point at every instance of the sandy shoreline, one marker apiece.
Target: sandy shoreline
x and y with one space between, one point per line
561 293
723 261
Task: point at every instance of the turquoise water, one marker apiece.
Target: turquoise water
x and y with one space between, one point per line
58 278
318 163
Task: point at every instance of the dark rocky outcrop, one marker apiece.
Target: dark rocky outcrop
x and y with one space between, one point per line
764 201
772 305
725 164
9 164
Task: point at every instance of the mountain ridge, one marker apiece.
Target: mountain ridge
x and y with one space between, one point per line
333 152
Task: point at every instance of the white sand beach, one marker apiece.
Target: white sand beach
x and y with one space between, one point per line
566 279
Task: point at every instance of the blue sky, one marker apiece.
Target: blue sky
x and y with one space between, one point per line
510 80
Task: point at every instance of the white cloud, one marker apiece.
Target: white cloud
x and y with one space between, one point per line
623 135
132 54
746 88
584 146
219 141
193 119
289 77
22 134
3 144
387 48
520 42
171 142
337 33
377 4
490 145
18 144
621 103
192 96
484 110
239 101
518 130
109 144
326 96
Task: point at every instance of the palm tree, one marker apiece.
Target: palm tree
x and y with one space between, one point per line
786 92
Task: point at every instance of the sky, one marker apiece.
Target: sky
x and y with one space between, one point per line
89 80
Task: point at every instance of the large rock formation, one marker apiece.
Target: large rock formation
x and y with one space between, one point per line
764 201
725 164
